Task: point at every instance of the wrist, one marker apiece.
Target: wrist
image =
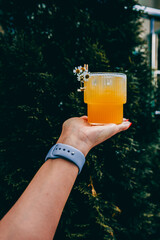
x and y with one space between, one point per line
81 146
67 152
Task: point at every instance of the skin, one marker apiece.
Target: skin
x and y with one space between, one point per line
37 212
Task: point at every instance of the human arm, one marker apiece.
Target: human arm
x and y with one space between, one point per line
36 214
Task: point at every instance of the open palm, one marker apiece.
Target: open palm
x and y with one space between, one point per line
79 133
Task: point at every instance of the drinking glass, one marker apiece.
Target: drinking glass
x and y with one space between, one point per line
105 94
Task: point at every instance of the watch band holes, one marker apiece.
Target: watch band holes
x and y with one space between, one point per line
64 149
59 148
72 153
68 151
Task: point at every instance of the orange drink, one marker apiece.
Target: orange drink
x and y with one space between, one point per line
105 94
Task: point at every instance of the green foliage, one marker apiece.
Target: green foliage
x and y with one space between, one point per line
117 194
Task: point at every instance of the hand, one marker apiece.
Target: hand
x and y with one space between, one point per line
80 134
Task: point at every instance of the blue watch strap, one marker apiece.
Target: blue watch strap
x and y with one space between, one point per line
67 152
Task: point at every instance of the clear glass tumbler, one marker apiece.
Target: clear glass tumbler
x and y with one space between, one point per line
105 94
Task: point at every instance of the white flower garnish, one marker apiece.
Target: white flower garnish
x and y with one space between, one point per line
77 70
82 73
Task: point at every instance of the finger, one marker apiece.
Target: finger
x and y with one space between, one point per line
111 129
124 126
84 117
125 119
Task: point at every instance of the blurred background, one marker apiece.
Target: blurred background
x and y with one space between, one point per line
117 194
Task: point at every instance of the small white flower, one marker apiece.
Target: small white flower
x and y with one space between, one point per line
77 70
80 77
83 69
74 71
82 73
86 76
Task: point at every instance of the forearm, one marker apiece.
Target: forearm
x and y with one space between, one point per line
36 214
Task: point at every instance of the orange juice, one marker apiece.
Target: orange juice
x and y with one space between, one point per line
105 94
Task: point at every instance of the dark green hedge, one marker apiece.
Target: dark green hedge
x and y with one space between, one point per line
117 194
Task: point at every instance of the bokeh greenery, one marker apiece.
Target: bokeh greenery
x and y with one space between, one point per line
117 194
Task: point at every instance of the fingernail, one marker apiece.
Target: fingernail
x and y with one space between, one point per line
130 125
126 120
